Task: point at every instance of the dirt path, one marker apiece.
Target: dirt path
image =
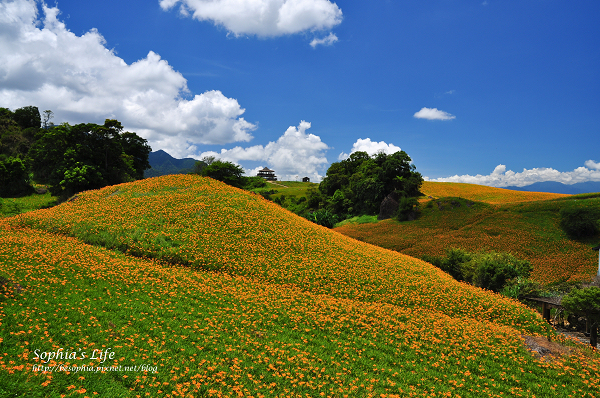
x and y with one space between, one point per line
274 183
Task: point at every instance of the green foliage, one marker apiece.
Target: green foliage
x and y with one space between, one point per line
579 222
87 156
584 302
137 149
407 208
251 183
226 172
358 220
28 116
323 217
359 184
488 270
14 179
198 167
521 288
452 264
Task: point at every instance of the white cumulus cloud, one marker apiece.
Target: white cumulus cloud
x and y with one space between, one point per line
433 114
371 147
326 41
294 155
43 64
590 164
262 17
500 177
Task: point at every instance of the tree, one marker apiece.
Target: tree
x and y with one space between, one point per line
14 179
28 116
87 156
359 184
139 150
585 302
48 114
226 172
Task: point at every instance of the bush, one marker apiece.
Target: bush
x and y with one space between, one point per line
579 222
452 263
585 302
493 270
323 217
251 183
407 208
489 270
14 179
521 288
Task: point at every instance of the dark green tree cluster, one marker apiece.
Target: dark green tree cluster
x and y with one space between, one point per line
489 270
358 185
227 172
68 158
18 130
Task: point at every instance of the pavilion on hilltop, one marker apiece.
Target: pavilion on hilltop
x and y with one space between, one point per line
267 174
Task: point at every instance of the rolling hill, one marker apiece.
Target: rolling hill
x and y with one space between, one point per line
523 223
214 291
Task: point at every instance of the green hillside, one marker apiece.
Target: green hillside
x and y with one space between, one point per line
528 228
222 293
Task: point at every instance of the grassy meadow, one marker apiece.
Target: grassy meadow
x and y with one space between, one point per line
182 286
474 217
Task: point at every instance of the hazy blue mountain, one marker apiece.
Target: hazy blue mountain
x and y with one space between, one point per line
558 187
162 164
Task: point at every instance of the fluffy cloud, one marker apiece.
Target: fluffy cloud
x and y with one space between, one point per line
43 64
326 41
262 17
371 147
294 155
433 114
590 164
500 177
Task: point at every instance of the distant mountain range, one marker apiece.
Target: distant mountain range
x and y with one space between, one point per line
162 164
559 187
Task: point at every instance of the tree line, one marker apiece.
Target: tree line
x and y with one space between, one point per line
68 158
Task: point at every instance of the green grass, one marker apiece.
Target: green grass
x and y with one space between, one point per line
358 220
290 189
13 206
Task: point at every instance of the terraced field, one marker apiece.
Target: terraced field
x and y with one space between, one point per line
213 291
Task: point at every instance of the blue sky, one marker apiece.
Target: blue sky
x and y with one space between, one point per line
492 92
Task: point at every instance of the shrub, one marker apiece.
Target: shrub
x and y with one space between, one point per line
322 217
407 208
489 270
585 302
14 179
579 222
520 288
492 270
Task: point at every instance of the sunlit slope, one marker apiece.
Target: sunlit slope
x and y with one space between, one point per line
205 224
529 230
482 193
211 334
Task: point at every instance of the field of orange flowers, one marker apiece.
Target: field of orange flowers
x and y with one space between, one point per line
529 230
482 193
267 305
